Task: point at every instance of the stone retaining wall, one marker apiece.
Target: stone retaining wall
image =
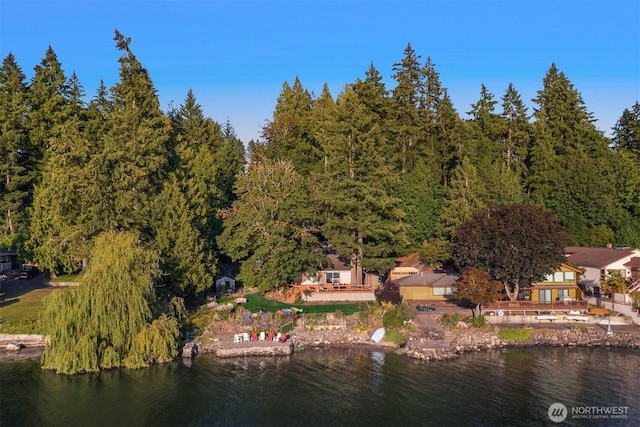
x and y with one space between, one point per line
22 340
477 341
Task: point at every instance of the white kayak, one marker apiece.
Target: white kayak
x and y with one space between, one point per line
378 335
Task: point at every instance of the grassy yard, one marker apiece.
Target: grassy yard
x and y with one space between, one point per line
24 306
257 301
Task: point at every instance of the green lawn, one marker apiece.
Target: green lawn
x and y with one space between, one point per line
257 301
26 306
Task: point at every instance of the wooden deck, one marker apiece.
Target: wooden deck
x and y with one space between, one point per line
536 307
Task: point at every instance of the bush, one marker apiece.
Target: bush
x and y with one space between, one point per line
479 321
398 315
389 292
394 336
515 334
24 326
451 320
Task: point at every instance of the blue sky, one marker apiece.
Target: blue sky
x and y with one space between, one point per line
236 55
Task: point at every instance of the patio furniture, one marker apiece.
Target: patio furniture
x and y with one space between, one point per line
283 338
277 337
245 337
270 336
262 336
254 336
237 338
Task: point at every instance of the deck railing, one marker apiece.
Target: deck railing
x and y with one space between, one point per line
340 287
537 305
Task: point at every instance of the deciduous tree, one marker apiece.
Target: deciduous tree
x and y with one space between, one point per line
513 243
109 320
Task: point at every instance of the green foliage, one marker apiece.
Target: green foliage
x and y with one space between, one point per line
398 316
393 335
450 320
515 334
512 244
24 326
107 321
271 229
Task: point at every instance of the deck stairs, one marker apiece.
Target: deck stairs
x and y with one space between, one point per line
292 294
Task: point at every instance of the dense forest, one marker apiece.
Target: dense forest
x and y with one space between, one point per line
376 172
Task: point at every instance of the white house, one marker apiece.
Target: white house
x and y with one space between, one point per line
599 263
338 271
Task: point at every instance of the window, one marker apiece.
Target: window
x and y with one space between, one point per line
563 293
558 276
569 276
544 295
548 277
332 277
443 290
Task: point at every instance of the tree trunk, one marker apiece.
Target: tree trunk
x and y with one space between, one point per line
512 294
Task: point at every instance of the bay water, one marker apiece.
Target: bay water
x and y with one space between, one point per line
336 387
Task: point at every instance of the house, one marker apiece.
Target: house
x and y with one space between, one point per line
598 263
561 286
8 259
225 285
424 286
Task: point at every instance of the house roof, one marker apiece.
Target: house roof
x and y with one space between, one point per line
428 279
595 257
337 263
633 263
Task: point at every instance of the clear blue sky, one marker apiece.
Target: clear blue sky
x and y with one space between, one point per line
236 55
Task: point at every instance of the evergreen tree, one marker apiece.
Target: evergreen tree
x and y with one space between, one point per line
404 117
186 258
465 196
59 235
517 132
133 162
17 170
561 108
486 128
322 111
109 320
626 132
290 135
362 219
421 194
51 107
231 159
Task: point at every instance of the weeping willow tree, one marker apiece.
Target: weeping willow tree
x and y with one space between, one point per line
108 321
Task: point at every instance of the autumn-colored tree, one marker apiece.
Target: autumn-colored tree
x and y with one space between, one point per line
478 288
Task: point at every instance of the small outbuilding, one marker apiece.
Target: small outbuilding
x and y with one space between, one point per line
225 285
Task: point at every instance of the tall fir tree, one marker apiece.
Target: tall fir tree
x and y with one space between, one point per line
290 135
626 132
405 99
516 134
133 162
18 169
362 218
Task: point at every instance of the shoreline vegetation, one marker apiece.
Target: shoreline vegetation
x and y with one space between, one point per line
426 337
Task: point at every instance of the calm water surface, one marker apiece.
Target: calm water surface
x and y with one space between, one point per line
331 387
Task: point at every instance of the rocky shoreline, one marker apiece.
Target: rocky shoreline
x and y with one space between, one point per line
425 347
457 343
421 346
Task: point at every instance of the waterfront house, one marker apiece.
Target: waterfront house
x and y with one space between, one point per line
598 263
427 286
560 286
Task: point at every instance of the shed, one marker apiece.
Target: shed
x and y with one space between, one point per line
225 284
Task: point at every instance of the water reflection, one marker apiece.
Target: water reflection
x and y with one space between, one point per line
342 387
